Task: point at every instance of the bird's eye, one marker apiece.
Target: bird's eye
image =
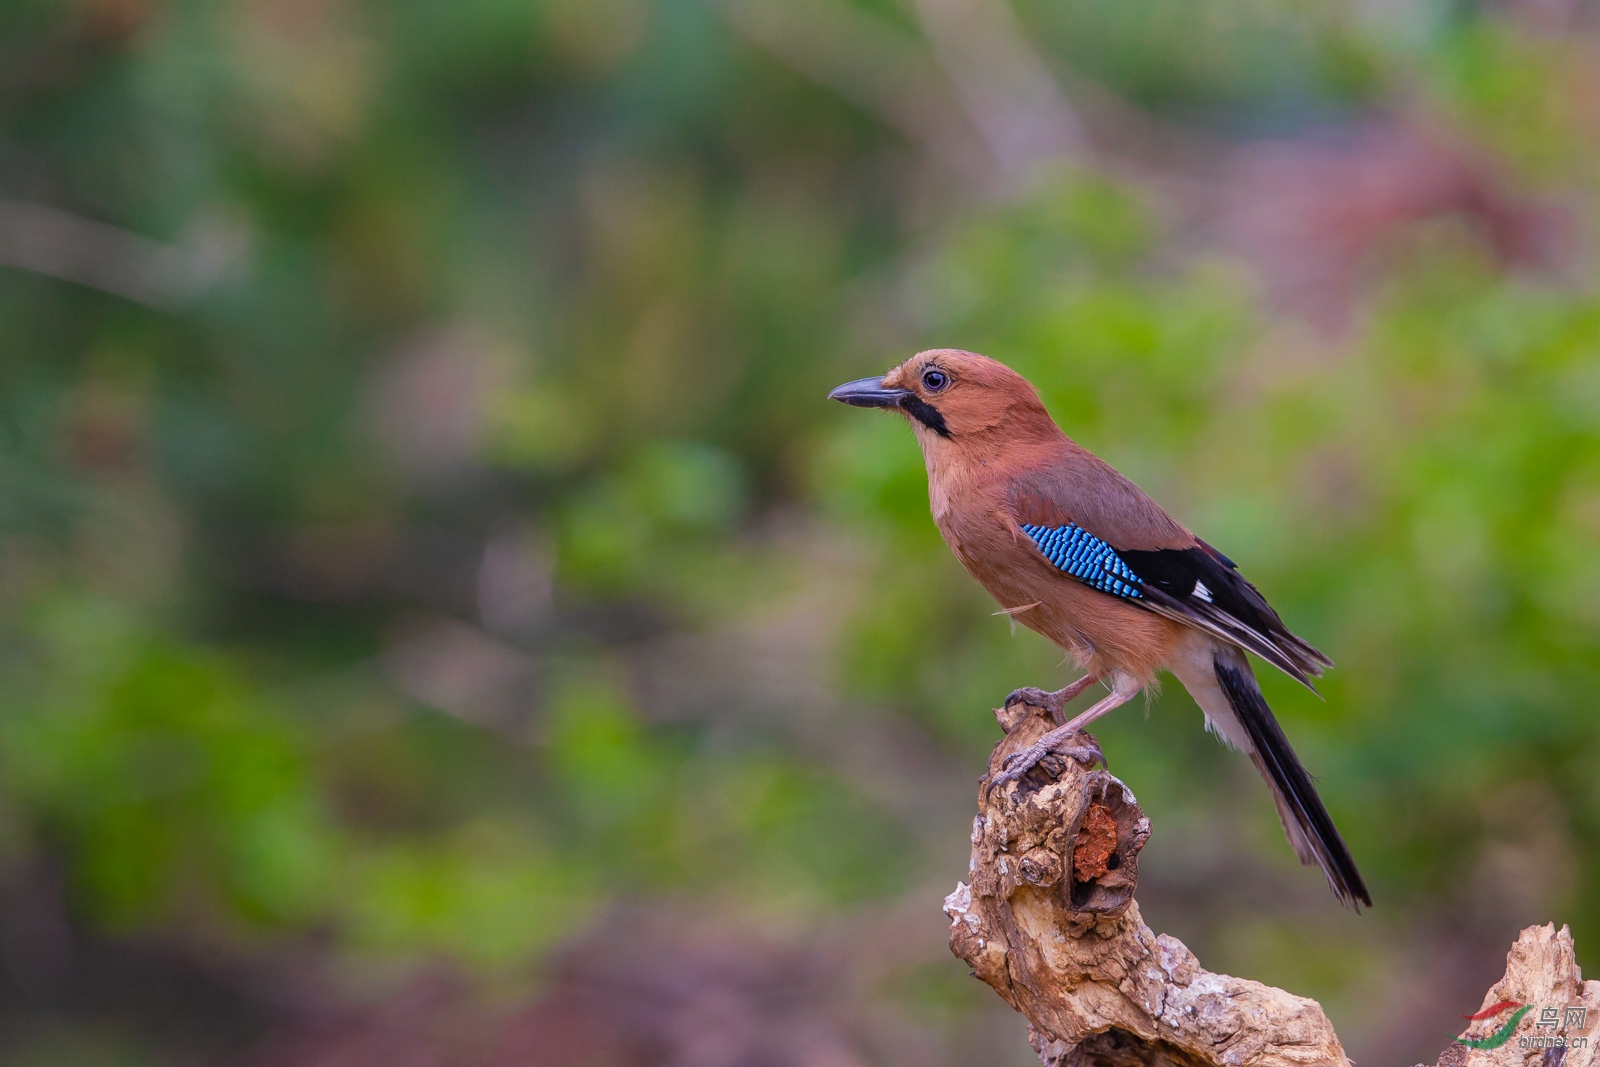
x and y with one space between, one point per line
934 379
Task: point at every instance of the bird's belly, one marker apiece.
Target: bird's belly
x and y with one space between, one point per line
1103 633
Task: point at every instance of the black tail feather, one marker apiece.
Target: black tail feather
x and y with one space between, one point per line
1291 785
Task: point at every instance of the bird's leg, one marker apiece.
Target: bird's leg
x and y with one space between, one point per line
1055 703
1060 740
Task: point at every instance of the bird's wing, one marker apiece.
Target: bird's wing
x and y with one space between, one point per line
1200 586
1098 527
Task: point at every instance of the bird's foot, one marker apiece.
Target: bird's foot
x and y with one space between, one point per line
1047 752
1053 702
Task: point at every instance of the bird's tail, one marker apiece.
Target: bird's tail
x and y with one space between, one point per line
1309 826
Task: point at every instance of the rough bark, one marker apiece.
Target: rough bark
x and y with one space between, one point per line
1048 920
1541 974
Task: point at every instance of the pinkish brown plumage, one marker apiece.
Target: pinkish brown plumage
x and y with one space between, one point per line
1075 551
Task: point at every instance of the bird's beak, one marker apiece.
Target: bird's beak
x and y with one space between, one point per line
869 393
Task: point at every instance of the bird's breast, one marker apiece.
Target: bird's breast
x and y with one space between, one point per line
939 503
983 540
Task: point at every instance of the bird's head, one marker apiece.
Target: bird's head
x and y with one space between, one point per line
953 396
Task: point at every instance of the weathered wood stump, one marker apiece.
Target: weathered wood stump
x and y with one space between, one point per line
1048 920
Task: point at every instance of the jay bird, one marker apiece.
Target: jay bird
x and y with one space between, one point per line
1078 553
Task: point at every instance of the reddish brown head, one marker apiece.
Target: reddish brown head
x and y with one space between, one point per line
954 396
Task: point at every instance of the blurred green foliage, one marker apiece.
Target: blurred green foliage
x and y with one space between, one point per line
565 283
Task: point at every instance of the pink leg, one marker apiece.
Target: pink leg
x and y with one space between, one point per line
1123 691
1059 740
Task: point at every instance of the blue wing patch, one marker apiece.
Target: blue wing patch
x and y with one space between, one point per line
1085 557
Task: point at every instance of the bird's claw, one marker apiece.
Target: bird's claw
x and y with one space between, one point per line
1080 746
1001 780
1030 753
1086 752
1053 702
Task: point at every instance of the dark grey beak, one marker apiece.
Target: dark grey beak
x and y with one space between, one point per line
869 393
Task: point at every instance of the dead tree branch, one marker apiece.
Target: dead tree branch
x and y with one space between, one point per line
1048 920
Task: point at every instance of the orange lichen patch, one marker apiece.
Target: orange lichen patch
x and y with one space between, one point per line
1097 840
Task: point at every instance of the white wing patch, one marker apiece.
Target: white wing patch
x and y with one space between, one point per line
1202 592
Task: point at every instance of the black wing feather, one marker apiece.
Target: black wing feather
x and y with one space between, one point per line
1196 585
1200 586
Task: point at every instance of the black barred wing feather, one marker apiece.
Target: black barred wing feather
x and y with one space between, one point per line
1197 586
1201 587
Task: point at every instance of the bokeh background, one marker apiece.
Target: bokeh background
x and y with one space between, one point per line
442 621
